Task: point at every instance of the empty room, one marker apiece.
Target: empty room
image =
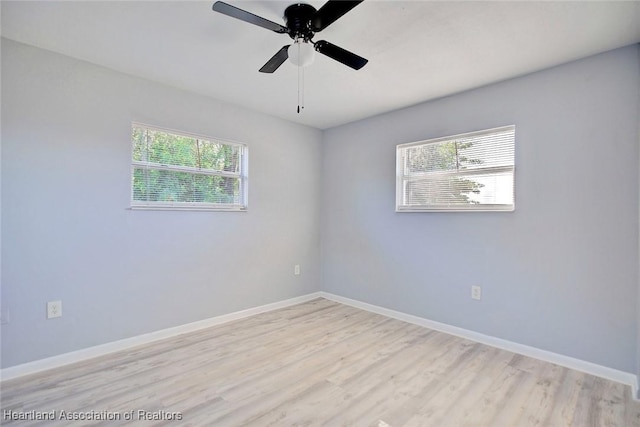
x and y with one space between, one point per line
330 213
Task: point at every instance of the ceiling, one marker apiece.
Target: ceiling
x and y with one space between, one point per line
417 50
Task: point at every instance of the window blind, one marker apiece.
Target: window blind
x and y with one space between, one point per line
182 171
472 171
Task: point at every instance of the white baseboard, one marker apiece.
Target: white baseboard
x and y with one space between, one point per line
127 343
103 349
547 356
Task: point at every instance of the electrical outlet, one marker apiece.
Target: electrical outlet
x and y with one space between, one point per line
296 269
476 292
54 309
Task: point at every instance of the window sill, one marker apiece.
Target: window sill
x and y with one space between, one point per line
188 208
494 208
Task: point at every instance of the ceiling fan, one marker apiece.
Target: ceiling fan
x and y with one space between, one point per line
302 22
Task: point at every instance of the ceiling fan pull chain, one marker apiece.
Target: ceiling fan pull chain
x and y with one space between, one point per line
300 84
298 47
298 89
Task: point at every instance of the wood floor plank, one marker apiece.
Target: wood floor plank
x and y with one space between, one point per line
566 399
321 363
541 396
276 388
461 410
518 394
397 380
341 395
632 409
443 404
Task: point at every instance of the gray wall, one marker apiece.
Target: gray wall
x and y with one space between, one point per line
561 272
67 233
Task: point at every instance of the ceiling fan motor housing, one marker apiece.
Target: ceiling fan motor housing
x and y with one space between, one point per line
298 18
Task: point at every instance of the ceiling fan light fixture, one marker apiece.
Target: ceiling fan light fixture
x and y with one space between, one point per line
301 53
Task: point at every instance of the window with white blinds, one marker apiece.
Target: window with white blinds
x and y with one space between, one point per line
181 171
469 172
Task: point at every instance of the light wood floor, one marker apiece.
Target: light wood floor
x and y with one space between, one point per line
323 363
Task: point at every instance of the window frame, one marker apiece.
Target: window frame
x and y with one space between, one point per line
242 175
402 179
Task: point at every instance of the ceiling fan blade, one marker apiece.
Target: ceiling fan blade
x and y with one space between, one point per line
243 15
276 60
339 54
331 11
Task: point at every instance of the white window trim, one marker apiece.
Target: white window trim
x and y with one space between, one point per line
193 206
402 180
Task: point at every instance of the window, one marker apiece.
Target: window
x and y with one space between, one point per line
468 172
181 171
